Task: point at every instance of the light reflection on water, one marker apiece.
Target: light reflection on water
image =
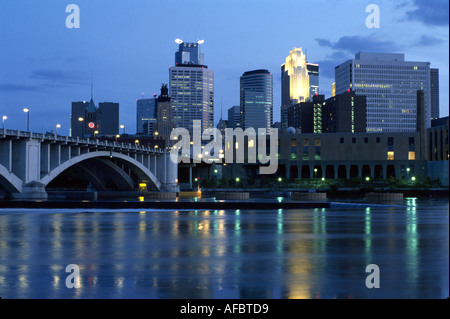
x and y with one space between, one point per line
304 253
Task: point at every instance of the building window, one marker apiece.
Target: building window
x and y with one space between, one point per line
390 156
353 140
411 156
366 140
305 142
317 141
390 141
378 139
341 140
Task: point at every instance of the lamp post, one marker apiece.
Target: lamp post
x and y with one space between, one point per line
95 134
117 136
123 127
28 118
315 173
57 127
3 121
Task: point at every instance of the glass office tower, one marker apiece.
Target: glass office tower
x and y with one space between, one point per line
390 84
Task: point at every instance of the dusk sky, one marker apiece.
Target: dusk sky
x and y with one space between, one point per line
127 47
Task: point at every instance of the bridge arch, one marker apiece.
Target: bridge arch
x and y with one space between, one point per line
138 168
10 181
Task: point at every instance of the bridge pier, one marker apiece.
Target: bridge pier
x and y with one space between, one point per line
32 190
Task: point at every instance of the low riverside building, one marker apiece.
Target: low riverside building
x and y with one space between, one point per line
373 156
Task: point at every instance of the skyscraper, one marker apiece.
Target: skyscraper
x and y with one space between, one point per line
313 74
256 96
191 87
146 115
234 116
390 84
299 81
434 82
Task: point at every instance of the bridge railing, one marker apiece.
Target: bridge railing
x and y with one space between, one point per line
77 140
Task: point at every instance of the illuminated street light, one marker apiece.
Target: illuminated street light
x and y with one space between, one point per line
123 127
315 173
95 133
80 119
237 179
367 178
3 121
57 127
117 136
280 179
413 178
28 118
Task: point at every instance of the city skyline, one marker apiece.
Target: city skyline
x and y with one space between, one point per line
46 68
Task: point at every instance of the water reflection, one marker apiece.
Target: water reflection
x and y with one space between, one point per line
304 253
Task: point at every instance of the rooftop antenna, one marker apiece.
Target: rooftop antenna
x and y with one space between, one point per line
221 108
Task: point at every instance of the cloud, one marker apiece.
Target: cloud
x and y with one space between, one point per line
426 41
346 47
18 87
434 13
354 44
60 77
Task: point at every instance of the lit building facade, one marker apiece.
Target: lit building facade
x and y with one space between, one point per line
389 84
256 96
191 88
299 81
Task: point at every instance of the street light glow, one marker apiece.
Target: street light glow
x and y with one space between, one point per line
26 110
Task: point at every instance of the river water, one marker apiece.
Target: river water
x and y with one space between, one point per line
301 253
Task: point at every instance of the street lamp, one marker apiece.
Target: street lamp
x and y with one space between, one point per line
28 118
117 136
3 121
123 127
315 173
57 127
95 133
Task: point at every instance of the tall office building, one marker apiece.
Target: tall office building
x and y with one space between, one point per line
191 87
256 96
313 74
299 81
146 116
86 119
234 116
390 84
434 82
